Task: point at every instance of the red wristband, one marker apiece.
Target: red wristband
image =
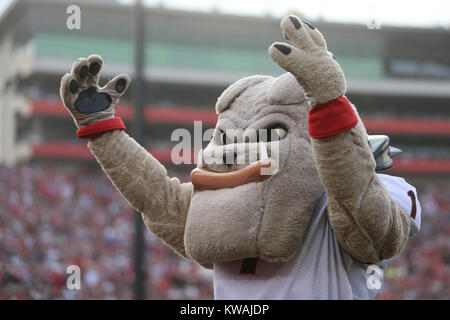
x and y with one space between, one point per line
100 127
331 118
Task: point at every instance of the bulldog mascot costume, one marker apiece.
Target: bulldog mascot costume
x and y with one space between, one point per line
320 221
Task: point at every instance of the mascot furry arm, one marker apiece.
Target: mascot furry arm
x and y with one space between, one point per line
141 179
366 220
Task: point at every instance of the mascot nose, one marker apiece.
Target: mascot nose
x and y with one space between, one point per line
229 157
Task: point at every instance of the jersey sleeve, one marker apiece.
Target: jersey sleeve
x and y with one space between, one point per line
405 195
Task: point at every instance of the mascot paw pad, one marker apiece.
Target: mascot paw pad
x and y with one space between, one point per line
90 101
83 87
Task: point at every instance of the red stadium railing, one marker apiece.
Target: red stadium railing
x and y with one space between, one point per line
417 165
79 151
173 114
385 125
184 115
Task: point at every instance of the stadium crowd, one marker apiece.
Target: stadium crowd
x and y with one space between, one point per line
51 218
54 217
422 269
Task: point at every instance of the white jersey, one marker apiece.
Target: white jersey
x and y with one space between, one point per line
321 269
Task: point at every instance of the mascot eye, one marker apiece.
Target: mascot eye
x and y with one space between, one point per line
273 134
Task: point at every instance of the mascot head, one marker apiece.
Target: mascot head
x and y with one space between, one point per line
235 213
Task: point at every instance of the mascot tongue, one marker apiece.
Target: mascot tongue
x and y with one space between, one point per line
203 179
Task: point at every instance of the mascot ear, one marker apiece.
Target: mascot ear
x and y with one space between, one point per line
286 90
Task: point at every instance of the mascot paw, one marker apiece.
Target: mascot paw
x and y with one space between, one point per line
309 60
84 99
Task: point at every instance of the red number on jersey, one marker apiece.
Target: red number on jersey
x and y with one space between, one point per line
412 195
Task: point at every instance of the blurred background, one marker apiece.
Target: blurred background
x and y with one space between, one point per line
57 208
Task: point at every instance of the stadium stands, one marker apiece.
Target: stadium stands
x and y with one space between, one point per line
422 270
51 218
56 206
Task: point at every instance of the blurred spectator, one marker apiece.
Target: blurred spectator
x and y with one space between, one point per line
51 218
422 269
